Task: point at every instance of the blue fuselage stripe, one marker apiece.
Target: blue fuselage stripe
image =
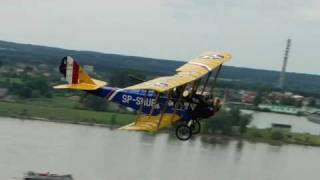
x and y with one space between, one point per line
134 98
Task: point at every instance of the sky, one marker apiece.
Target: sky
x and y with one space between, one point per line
253 31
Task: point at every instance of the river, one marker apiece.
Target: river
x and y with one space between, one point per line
93 153
299 124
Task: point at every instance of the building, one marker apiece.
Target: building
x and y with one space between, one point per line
248 97
280 109
3 92
233 95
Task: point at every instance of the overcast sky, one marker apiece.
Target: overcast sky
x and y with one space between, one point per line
253 31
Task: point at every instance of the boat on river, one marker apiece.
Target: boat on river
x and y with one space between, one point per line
46 176
314 117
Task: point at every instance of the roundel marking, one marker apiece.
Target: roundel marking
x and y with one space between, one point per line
212 56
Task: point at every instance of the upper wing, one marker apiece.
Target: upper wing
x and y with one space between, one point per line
189 72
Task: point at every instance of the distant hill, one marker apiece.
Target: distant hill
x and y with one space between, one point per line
14 52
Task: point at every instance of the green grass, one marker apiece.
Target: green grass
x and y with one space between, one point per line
56 101
62 114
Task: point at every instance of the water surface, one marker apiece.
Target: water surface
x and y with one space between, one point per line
299 124
93 153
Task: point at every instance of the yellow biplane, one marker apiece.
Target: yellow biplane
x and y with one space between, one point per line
163 101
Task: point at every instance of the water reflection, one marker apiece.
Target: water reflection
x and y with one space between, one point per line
148 137
212 140
239 145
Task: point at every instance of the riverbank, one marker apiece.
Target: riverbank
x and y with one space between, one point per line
115 120
62 114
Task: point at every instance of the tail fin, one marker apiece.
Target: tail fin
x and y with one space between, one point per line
76 77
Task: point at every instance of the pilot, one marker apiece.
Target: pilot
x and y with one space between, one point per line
178 92
204 107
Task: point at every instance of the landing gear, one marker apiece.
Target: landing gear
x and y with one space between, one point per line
195 126
183 132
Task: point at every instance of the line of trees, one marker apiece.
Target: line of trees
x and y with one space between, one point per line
228 122
31 87
94 103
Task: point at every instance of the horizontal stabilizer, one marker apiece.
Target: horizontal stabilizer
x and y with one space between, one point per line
82 86
76 77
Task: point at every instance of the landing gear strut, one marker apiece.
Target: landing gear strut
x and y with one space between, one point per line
195 126
184 131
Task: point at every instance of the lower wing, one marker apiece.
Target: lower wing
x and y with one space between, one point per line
152 123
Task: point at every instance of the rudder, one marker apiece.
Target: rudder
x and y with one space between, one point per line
76 77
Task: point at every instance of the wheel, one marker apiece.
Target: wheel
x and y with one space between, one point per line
183 132
195 127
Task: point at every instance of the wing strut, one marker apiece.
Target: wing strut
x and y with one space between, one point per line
206 83
164 109
216 78
141 106
195 87
155 103
177 102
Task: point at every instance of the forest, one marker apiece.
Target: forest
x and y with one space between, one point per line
108 64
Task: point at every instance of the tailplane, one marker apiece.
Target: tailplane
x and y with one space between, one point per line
76 77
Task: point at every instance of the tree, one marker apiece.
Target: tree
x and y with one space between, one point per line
224 121
221 122
240 120
121 78
28 69
39 84
24 92
255 133
258 99
277 135
245 120
32 87
93 102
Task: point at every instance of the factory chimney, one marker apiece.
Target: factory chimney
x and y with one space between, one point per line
284 66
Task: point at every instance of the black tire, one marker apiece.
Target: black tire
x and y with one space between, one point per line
183 132
195 127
